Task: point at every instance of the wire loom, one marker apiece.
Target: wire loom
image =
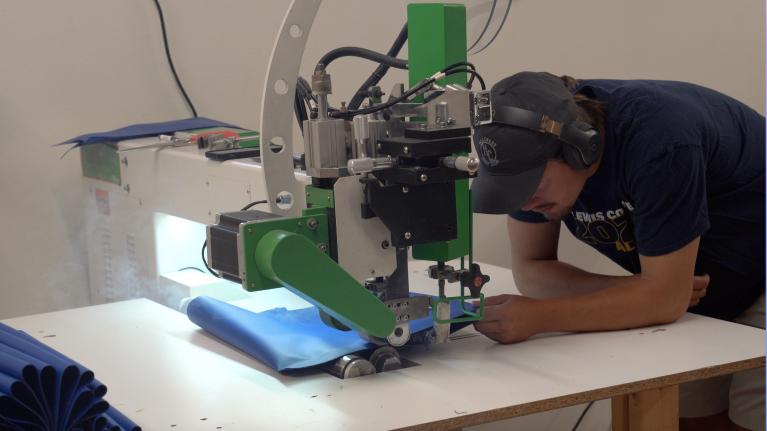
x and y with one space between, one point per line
41 389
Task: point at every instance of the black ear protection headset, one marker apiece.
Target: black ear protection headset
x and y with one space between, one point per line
581 143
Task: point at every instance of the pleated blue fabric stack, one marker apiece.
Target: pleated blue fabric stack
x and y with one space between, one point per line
41 389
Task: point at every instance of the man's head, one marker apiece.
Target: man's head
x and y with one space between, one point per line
536 155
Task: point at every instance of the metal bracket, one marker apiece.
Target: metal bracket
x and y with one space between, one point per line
550 126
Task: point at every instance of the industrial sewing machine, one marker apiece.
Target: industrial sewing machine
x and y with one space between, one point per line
384 178
377 182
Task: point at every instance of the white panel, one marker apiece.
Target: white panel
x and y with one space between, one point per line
359 240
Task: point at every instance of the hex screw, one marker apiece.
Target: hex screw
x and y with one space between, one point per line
312 224
424 178
405 189
408 235
385 244
323 247
405 149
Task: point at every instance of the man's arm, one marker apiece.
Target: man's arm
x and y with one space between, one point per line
575 300
537 271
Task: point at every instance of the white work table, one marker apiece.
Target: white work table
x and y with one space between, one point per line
165 373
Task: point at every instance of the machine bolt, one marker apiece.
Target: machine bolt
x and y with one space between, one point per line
405 149
312 224
323 247
405 189
408 235
385 244
424 178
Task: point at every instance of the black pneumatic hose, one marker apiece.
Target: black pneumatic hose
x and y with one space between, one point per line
380 71
353 51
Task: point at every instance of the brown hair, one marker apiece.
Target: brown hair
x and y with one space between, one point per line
592 110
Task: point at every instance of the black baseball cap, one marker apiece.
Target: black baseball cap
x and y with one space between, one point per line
512 159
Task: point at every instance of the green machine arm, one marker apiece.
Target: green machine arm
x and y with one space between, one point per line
339 295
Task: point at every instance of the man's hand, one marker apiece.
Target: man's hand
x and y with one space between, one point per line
699 286
508 319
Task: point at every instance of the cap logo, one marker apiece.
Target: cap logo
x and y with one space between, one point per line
487 152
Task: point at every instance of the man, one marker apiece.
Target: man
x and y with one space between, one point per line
664 178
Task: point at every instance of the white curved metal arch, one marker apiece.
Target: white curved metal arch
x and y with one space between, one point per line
277 107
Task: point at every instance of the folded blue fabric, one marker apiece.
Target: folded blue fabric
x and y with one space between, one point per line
286 339
144 130
41 389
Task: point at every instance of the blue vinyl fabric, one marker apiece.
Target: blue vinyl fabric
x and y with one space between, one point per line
41 389
144 130
286 339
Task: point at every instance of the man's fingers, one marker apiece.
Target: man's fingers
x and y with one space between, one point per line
496 300
486 327
492 313
700 282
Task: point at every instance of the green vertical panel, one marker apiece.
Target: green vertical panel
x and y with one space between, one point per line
436 39
101 161
319 198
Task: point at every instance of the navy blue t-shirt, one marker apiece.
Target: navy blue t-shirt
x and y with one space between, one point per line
679 161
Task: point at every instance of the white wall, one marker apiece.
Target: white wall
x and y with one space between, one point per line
86 65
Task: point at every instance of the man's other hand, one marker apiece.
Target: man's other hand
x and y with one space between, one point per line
508 318
699 286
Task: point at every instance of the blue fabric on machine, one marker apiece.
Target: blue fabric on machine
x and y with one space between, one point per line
144 130
285 339
41 388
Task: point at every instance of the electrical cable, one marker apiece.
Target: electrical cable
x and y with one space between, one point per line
460 63
473 74
380 71
484 29
205 262
170 60
191 267
413 90
582 415
449 70
205 243
500 27
353 51
252 204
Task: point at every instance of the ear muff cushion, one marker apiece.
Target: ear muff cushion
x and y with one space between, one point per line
581 145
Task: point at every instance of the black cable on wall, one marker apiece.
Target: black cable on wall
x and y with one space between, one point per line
170 60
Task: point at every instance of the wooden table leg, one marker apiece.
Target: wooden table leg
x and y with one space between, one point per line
650 410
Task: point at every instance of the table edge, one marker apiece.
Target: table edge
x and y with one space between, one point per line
502 413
